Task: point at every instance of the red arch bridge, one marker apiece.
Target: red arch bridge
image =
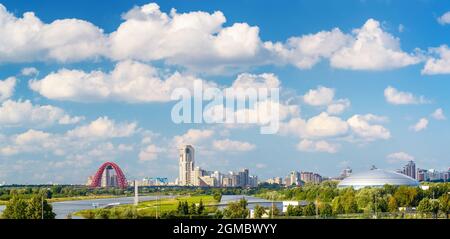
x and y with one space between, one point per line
97 179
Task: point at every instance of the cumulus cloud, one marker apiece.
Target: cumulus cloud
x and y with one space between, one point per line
232 145
372 49
29 71
149 153
444 19
365 127
193 137
196 40
396 97
338 106
323 96
306 51
24 113
422 124
319 126
317 146
319 97
438 114
7 88
129 81
102 128
438 62
27 38
399 157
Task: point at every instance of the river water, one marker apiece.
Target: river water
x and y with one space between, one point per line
62 209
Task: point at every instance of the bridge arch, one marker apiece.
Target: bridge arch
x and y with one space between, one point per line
97 179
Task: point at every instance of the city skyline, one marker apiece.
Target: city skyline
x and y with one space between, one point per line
75 91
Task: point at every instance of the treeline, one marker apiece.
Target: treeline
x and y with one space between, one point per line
58 191
36 207
387 199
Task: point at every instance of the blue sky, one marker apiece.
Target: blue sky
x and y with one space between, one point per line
64 108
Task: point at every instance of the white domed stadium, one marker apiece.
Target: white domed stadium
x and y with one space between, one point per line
377 178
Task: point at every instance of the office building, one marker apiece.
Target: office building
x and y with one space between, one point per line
186 165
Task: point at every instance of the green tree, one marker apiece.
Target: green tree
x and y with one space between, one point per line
201 208
406 196
325 210
102 214
444 205
16 208
193 209
236 209
392 204
217 196
259 211
310 209
38 208
337 206
425 206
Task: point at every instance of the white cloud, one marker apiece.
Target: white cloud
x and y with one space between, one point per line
319 97
130 81
265 81
320 126
339 106
422 124
440 63
323 96
324 125
317 146
306 51
196 40
372 49
231 145
438 114
399 157
149 153
24 113
363 127
102 128
193 137
444 19
28 39
7 88
29 71
396 97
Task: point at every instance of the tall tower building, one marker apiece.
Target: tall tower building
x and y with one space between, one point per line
410 169
186 165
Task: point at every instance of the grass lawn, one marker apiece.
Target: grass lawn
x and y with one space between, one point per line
149 208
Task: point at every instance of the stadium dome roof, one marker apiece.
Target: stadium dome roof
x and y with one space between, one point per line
377 178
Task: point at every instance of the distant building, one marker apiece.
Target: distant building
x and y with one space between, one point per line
294 179
275 180
186 165
346 172
310 177
410 169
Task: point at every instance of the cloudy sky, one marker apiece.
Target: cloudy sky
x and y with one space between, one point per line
362 83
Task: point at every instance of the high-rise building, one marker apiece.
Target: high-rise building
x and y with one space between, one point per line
186 165
109 178
196 174
346 172
310 177
410 169
294 178
243 178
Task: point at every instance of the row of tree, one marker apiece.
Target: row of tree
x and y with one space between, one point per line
36 207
